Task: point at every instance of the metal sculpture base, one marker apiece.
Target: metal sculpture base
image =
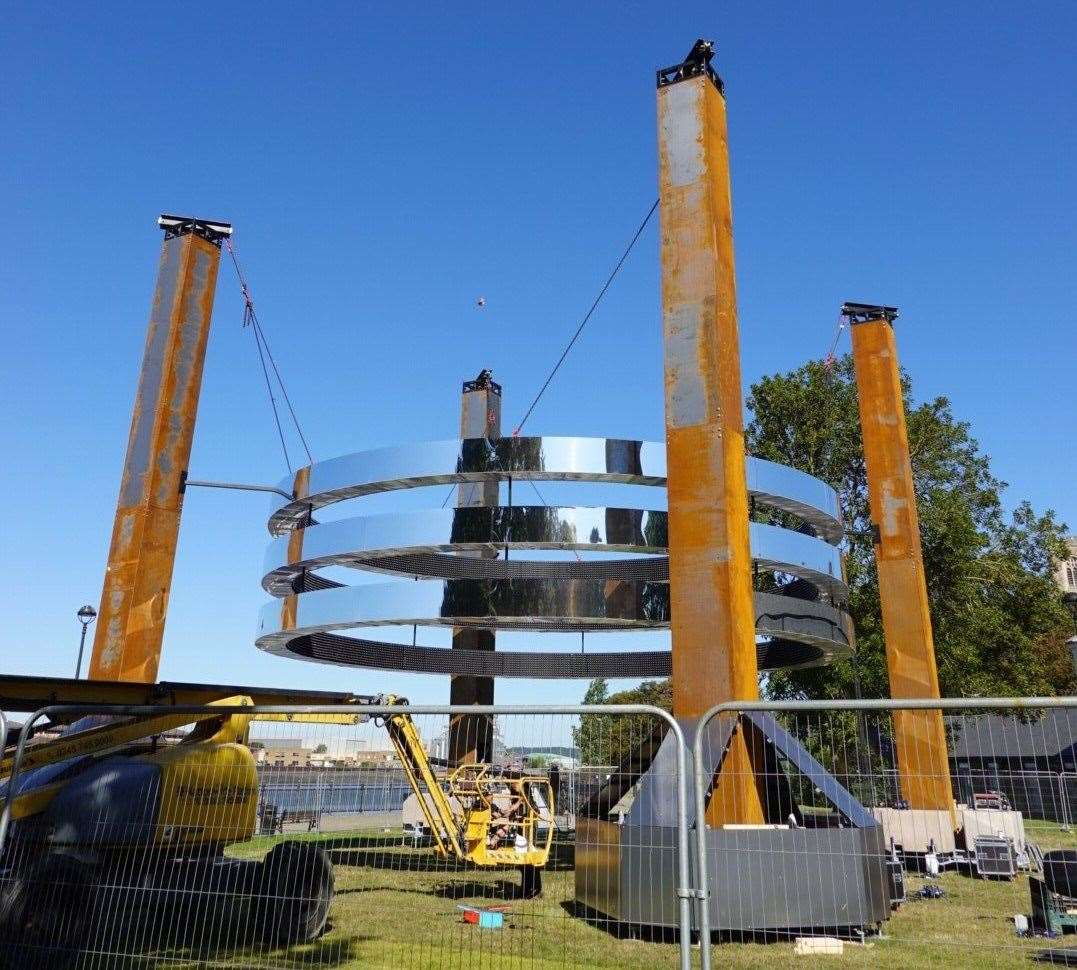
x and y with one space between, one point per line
769 881
766 882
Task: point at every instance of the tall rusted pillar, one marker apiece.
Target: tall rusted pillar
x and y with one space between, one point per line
710 573
471 737
134 601
920 737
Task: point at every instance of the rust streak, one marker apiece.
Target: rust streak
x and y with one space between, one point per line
289 609
920 736
712 616
134 600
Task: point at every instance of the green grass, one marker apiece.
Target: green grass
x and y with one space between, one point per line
396 909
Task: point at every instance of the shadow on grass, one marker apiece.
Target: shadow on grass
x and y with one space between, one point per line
177 956
365 852
617 929
475 889
413 860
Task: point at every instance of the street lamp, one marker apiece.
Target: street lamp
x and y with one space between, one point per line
86 615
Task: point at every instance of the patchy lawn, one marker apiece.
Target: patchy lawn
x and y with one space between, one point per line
396 909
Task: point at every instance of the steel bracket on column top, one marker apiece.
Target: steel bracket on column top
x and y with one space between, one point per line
697 62
865 312
210 230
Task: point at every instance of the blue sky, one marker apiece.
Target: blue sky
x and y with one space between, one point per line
385 165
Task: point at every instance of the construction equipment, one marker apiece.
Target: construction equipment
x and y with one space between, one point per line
110 804
994 855
475 813
110 826
110 822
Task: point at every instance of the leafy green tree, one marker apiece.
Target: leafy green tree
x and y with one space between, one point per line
998 622
609 740
999 625
588 736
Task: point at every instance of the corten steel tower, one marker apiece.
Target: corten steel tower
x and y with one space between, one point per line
471 737
710 571
920 738
134 601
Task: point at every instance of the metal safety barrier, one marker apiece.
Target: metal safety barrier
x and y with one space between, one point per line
285 836
854 840
567 843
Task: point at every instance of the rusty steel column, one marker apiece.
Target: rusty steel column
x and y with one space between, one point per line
134 601
710 571
471 737
920 737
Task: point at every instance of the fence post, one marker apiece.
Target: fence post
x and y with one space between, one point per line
3 817
685 892
24 734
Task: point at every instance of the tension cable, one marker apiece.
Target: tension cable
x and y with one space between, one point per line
250 319
587 316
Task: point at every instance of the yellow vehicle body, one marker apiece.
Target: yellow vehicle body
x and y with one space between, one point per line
136 791
208 786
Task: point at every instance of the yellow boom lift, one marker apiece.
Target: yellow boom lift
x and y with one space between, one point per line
475 813
109 805
108 822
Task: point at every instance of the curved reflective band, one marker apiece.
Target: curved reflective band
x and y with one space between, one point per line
606 460
425 543
798 632
468 583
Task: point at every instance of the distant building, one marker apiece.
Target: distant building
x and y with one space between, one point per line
279 757
1031 759
1066 572
278 742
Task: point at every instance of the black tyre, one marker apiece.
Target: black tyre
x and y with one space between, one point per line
296 890
52 911
13 893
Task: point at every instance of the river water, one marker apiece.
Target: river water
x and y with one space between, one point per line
329 792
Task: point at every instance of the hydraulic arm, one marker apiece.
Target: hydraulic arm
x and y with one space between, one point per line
474 813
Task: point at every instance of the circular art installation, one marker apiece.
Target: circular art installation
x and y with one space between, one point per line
492 567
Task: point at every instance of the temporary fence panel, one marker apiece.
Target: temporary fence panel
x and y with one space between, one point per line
846 863
297 843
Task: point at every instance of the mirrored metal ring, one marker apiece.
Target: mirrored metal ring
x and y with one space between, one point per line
331 648
428 543
605 460
528 604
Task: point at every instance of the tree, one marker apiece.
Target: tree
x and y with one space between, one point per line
588 736
608 740
999 625
998 622
321 749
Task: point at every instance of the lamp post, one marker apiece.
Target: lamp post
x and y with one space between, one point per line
86 615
